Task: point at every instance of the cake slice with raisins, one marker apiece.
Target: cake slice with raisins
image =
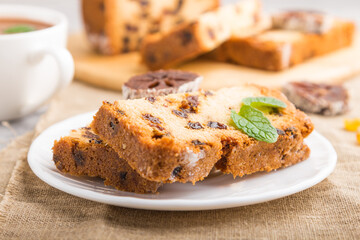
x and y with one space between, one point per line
296 36
181 137
83 153
118 26
202 35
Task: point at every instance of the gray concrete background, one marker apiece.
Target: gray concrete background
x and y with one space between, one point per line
349 9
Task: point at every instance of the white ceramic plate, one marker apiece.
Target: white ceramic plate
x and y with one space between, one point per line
217 191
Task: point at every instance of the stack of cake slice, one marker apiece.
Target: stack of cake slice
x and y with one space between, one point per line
244 35
296 36
169 33
138 145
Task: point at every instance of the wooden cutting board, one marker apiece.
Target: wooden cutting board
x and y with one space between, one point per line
112 71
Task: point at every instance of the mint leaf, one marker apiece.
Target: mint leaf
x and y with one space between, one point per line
252 120
260 102
254 124
19 29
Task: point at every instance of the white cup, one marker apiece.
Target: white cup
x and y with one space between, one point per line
33 65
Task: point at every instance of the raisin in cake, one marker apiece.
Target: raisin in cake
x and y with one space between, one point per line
202 35
83 153
115 26
279 49
181 137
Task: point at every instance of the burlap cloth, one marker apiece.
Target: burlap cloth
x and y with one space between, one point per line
31 209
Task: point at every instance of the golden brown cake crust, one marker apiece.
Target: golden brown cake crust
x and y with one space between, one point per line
240 161
84 154
172 139
99 17
94 15
279 55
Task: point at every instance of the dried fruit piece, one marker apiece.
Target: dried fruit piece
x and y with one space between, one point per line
216 125
151 99
78 156
195 125
197 142
151 118
319 98
352 124
180 113
176 171
160 82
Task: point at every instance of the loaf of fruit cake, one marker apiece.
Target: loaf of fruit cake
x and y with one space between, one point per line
202 35
281 48
118 26
181 137
83 153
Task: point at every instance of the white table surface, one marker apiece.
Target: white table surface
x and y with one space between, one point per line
349 9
